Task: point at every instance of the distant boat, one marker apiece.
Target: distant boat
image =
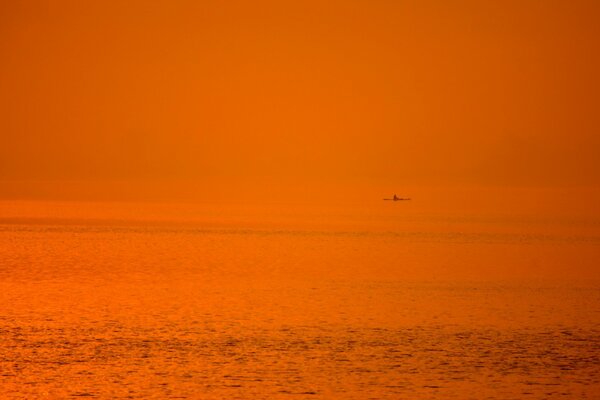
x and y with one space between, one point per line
396 198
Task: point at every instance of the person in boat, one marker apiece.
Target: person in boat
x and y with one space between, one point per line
396 198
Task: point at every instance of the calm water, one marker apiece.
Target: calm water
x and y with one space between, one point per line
363 301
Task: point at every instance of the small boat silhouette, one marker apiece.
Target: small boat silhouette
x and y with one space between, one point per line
396 198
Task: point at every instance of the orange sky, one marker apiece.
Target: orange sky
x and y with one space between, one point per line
373 91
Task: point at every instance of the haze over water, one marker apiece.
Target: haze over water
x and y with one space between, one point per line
311 299
191 199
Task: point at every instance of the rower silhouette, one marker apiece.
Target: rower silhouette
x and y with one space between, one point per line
396 198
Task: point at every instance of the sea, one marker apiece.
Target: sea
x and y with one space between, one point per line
489 296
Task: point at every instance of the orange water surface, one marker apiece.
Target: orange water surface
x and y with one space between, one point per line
358 300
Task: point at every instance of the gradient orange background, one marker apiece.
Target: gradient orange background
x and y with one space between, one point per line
310 92
269 132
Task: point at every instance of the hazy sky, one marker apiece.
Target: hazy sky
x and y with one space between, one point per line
396 92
